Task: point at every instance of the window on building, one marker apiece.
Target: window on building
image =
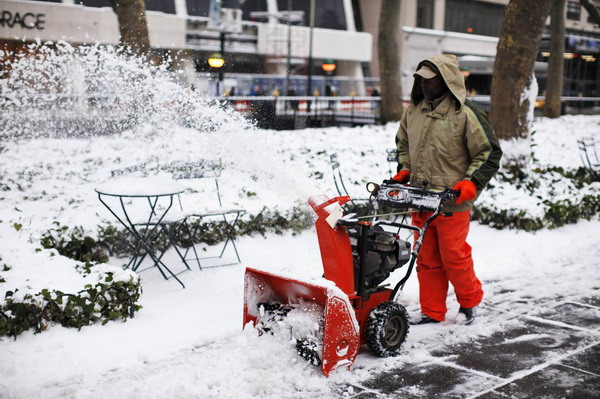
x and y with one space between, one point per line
93 3
166 6
198 8
231 3
573 10
297 5
469 16
358 19
328 14
248 6
425 14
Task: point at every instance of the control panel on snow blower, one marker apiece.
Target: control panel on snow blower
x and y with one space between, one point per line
400 196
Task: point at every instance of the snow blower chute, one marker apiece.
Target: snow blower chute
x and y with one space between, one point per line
351 306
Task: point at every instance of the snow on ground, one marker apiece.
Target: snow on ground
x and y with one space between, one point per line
189 343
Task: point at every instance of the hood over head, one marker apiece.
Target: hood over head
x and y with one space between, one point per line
445 66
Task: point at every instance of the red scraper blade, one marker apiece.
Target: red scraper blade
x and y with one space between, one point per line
341 334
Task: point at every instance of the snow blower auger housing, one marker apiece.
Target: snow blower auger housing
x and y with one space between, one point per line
353 306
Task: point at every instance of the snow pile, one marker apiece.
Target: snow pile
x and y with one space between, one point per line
298 326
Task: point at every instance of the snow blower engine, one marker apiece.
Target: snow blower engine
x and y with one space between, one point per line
329 319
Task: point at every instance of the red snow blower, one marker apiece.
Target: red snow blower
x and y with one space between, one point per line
330 319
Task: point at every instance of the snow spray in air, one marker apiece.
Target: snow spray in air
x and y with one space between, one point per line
57 90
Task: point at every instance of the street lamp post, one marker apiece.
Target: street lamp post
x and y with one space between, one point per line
222 51
286 88
311 24
328 66
216 62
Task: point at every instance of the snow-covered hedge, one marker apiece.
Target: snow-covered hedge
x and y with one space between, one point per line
541 184
73 294
556 197
108 299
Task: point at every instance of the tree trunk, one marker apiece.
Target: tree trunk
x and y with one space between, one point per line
389 61
556 61
133 27
513 69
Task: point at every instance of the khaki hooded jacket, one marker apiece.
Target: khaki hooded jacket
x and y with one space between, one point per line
453 141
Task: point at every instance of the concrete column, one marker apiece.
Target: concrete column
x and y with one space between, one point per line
272 8
348 11
180 8
353 70
370 15
439 14
408 13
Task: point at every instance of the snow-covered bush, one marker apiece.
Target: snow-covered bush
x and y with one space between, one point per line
113 297
531 192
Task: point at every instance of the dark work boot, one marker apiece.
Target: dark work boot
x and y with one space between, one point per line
466 316
424 319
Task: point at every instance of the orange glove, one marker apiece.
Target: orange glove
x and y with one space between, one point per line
467 191
402 176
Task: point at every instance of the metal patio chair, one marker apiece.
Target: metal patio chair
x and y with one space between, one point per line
203 204
392 158
589 155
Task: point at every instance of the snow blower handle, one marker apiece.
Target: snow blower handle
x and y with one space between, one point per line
452 193
447 195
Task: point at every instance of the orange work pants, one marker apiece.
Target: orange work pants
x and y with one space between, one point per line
445 257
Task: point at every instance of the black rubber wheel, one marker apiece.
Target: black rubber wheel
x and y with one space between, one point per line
387 328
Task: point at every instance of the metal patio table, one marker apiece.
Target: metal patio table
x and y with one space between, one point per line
141 205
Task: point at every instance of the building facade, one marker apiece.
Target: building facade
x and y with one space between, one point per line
269 45
255 36
470 29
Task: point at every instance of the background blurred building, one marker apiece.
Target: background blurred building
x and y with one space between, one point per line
271 43
267 43
470 29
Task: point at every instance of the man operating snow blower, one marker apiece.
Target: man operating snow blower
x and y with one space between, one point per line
444 140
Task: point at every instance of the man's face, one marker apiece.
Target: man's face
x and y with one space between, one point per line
433 88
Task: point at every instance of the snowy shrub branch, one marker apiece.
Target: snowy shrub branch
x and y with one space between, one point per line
75 244
114 297
537 198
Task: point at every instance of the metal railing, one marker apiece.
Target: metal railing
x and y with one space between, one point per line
283 112
106 113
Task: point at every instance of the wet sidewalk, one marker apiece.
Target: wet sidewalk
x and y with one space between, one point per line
552 352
